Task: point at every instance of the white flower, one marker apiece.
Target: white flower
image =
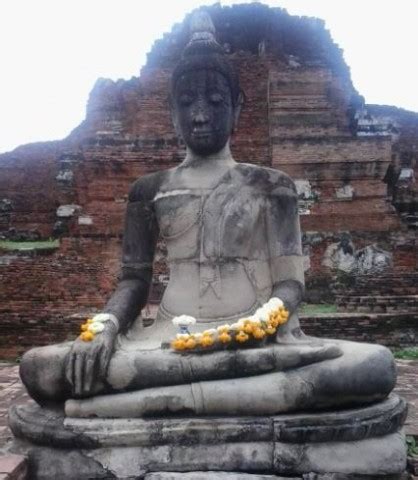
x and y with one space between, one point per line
183 321
210 331
262 314
237 325
101 318
198 336
96 327
275 303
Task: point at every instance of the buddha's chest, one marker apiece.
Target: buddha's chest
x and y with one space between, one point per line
210 223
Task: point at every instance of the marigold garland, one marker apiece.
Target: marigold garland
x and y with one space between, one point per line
263 323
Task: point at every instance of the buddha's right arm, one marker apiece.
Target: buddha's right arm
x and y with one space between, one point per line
140 238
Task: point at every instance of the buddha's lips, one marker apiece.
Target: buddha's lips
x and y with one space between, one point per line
202 133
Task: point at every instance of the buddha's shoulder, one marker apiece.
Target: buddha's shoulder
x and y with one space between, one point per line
265 179
146 187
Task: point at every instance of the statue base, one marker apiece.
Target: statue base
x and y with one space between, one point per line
357 443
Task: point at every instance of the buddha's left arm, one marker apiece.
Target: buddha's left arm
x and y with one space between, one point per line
285 247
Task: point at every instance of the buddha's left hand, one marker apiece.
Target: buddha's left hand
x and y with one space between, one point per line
87 362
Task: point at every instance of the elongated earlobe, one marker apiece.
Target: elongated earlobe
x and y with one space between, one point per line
174 116
237 109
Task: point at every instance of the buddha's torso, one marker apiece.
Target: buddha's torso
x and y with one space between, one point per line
216 242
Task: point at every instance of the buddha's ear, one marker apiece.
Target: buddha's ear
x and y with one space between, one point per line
238 108
173 114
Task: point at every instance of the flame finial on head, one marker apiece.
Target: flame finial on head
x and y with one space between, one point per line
202 35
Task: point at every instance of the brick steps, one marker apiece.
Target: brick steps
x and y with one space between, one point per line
378 303
397 330
402 284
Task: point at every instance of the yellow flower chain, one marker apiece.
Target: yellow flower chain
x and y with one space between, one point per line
239 333
86 335
91 328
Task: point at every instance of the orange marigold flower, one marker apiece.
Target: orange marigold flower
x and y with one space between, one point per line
224 337
87 336
241 337
274 322
206 341
283 319
270 330
248 328
191 343
84 327
259 333
178 344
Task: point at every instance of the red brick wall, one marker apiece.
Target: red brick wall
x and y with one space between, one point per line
41 292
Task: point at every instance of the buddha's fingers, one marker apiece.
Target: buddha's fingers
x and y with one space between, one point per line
90 366
69 368
320 353
283 357
78 374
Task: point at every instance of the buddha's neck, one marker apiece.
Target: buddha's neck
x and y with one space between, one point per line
216 161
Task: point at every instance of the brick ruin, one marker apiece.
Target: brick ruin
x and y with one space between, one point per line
354 165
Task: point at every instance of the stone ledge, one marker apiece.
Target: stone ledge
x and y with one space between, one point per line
381 457
46 427
212 476
249 476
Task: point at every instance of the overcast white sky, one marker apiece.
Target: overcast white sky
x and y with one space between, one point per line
52 52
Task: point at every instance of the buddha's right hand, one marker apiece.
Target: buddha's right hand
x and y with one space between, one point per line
87 362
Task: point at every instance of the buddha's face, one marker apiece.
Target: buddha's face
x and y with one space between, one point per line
203 110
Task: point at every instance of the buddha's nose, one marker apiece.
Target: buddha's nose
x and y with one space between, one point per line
200 117
200 114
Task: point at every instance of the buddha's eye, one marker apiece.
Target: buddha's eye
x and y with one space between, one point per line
216 98
185 99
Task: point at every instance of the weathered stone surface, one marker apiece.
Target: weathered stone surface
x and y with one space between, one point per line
348 476
360 441
211 476
45 427
355 424
376 456
373 456
49 464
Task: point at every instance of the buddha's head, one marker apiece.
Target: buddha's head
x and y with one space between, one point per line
205 94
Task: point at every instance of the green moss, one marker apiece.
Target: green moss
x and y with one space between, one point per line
407 353
317 309
21 246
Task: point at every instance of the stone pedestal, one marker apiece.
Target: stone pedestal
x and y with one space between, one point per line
358 443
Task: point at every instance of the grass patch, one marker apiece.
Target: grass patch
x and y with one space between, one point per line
412 446
320 308
9 361
407 353
21 246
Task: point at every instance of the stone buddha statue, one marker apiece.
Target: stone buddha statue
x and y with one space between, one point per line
291 405
233 240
